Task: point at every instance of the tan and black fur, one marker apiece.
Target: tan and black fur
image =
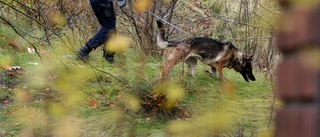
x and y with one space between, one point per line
215 53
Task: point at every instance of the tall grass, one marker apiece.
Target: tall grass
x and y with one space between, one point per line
62 96
106 106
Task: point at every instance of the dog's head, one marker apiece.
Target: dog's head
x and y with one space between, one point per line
244 67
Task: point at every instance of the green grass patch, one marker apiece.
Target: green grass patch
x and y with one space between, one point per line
102 99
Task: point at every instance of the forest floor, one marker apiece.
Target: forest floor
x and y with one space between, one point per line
66 96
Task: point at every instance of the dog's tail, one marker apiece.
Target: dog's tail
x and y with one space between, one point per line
161 41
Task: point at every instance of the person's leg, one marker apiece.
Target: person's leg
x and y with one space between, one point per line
108 20
104 12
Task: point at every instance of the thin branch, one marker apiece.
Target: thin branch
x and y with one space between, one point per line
43 25
123 83
17 32
266 8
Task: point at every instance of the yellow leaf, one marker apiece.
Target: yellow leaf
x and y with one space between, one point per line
56 110
117 44
229 88
93 104
59 20
173 92
68 127
142 5
266 133
22 96
206 123
133 103
178 127
311 57
74 99
4 61
306 3
31 117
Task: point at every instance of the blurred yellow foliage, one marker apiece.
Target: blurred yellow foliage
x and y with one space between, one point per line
117 44
80 76
142 5
173 93
311 57
132 103
228 88
56 110
4 61
74 99
115 116
306 3
68 127
266 133
208 123
31 117
22 96
72 95
64 84
58 19
179 127
215 121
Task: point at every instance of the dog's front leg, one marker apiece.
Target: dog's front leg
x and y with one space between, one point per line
192 62
219 68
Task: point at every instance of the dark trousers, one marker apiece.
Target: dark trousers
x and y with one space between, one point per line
104 11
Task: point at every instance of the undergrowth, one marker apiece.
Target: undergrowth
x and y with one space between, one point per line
61 95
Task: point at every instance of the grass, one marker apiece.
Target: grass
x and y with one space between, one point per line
44 99
251 101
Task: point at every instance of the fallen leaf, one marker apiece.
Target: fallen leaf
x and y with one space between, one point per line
93 104
7 67
10 74
5 101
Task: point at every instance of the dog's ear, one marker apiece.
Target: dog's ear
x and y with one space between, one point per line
160 24
227 43
245 60
240 60
251 58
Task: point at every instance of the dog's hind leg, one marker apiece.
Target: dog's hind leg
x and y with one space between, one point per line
177 55
211 73
166 69
192 62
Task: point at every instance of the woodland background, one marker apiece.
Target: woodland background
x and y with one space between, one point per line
50 93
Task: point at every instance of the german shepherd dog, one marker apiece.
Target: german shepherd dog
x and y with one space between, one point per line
215 53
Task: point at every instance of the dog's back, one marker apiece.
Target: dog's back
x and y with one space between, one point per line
205 47
210 48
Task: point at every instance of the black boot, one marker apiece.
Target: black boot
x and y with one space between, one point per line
108 56
83 53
